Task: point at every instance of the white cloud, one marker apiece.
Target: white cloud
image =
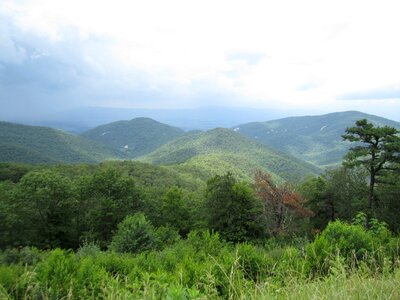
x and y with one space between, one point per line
271 53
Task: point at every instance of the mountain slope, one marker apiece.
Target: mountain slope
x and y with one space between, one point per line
33 144
135 137
220 150
316 139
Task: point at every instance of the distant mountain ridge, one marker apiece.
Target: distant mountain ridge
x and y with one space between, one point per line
316 139
82 119
136 137
223 149
34 144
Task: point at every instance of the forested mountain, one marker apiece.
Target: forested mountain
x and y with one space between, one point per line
135 137
33 144
220 150
316 139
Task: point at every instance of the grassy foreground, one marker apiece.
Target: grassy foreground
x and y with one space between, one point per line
205 267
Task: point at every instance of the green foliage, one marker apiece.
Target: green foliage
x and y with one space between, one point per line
353 242
13 172
388 204
64 205
135 234
62 275
45 205
345 238
176 211
22 256
232 209
135 137
202 266
378 150
166 236
338 194
316 139
111 196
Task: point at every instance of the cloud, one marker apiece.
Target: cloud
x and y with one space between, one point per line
250 58
10 51
39 75
386 92
311 85
59 54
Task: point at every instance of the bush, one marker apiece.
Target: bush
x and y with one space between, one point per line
56 273
24 256
135 234
167 236
88 249
352 241
338 237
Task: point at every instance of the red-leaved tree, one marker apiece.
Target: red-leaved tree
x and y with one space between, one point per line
279 201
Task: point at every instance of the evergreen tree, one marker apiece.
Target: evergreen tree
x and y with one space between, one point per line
378 149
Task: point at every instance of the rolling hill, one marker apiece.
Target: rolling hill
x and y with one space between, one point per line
135 137
33 144
219 150
316 139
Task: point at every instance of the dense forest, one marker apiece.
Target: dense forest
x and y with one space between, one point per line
129 229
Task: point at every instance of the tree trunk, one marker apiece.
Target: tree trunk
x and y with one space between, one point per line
371 192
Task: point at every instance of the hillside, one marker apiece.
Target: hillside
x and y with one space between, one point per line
33 144
220 150
316 139
135 137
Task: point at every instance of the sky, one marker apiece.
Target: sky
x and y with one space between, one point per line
317 56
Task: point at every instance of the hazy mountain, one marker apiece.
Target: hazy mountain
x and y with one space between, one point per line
316 139
84 118
135 137
220 150
33 144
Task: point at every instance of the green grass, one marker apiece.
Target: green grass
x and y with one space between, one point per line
344 286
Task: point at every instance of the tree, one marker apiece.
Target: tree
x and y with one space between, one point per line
336 194
278 201
135 234
388 195
175 211
232 209
378 149
45 201
106 198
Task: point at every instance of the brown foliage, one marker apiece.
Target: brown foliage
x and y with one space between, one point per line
278 200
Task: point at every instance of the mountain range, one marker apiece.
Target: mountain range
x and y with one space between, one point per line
35 144
316 139
289 148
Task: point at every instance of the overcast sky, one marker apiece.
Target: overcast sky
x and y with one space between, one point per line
318 55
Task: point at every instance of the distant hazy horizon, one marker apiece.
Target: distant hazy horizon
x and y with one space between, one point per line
309 56
80 119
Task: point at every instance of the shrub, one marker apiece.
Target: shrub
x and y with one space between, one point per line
88 249
352 241
24 256
135 234
167 236
56 273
